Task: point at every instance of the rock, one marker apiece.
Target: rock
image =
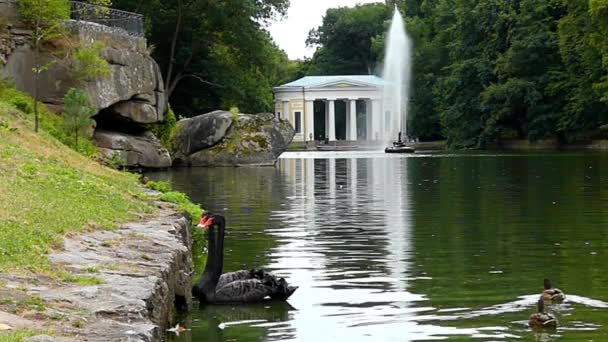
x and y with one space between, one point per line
129 150
251 140
132 72
200 132
136 300
137 111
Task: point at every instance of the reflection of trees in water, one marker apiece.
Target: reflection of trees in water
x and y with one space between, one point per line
246 196
487 223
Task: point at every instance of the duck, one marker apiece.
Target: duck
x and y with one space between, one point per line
541 319
551 294
245 286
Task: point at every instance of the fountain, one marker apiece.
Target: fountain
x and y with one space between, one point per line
396 74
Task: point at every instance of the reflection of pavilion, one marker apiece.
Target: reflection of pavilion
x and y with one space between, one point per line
350 255
333 107
371 192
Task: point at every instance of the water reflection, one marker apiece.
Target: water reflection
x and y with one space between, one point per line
388 248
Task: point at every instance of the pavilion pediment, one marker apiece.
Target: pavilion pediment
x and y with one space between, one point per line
346 84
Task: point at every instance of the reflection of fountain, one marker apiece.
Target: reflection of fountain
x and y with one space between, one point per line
396 74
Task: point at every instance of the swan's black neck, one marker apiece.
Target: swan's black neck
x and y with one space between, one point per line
215 256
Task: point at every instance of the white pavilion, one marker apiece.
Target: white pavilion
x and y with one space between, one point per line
332 107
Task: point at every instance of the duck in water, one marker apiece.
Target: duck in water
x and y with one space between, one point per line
541 319
236 287
551 294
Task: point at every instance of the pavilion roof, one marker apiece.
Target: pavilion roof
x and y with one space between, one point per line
318 81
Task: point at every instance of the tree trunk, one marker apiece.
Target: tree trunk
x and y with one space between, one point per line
36 62
169 75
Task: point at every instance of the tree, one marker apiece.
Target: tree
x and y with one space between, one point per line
77 114
345 39
47 17
218 53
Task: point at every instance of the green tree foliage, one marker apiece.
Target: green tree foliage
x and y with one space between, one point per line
346 39
214 54
46 16
485 70
88 63
77 115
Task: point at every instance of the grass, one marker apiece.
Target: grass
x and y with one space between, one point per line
48 190
20 335
83 280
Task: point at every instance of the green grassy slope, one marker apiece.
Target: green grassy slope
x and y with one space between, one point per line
48 190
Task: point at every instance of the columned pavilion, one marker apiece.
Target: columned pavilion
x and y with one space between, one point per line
332 107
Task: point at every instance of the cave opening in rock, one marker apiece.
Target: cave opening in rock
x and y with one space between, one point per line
108 120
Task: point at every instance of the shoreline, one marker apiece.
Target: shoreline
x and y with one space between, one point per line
144 270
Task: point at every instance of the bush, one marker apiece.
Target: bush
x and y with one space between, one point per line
165 131
77 115
88 63
49 121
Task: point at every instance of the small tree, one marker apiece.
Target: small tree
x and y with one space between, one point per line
77 113
47 18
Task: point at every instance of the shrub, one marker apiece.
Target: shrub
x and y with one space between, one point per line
164 131
77 115
88 63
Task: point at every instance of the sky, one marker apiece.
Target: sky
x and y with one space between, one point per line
291 32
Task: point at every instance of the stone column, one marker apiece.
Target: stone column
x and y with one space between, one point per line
332 121
368 120
309 108
285 114
326 119
347 137
377 120
353 120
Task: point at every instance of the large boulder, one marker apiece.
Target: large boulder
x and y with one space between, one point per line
251 139
143 150
200 132
134 76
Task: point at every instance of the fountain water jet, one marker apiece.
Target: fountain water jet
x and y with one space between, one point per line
396 75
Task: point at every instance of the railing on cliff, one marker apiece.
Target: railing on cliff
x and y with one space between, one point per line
131 23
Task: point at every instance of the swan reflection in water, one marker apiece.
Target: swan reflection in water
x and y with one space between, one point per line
243 322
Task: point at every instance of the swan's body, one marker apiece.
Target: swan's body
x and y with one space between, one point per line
541 319
551 294
235 287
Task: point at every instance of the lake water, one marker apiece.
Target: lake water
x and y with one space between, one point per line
417 247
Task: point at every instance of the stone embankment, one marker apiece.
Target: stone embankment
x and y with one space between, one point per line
144 273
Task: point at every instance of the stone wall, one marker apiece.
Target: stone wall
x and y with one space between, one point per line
145 269
9 10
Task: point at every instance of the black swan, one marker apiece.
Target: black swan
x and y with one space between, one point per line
235 287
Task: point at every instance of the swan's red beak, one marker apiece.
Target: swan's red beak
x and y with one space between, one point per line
205 222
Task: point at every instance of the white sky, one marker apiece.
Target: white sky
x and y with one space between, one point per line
303 15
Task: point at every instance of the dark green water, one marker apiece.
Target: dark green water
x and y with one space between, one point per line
400 248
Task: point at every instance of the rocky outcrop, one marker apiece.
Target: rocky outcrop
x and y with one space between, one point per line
203 131
144 271
124 149
132 93
248 139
